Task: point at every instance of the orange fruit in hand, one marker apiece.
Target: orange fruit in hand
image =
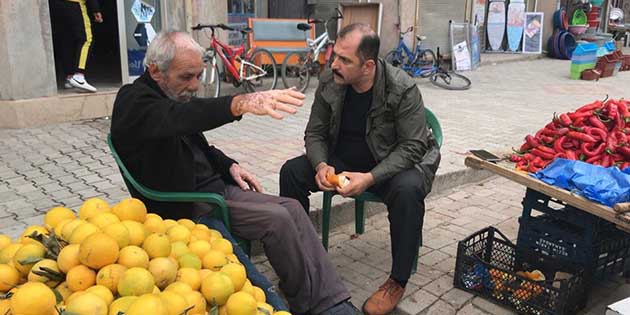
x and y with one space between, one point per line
337 180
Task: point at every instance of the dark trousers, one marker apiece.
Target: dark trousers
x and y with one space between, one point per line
403 195
307 276
73 31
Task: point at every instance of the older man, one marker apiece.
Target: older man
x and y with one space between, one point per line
157 128
367 122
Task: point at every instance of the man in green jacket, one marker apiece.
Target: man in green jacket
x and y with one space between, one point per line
367 123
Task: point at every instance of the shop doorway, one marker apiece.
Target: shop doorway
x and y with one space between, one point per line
103 70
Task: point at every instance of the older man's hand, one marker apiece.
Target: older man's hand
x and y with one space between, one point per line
244 179
269 103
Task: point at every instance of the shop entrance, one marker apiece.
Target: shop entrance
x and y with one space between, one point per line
103 69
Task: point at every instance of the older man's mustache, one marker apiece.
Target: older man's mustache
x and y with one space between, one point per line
335 72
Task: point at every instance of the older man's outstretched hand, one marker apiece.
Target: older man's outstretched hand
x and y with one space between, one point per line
269 103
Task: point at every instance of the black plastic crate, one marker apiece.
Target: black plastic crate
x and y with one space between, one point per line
487 266
552 242
535 200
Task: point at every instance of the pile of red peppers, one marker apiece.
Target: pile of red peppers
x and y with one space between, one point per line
596 133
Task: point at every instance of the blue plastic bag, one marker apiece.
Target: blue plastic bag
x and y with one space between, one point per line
607 186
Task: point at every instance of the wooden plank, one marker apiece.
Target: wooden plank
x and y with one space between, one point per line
507 170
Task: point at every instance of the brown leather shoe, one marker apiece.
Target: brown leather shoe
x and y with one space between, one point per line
384 300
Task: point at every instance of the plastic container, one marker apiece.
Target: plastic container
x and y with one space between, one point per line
591 75
606 65
578 29
486 265
583 58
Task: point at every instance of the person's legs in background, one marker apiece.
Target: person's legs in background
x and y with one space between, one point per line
79 31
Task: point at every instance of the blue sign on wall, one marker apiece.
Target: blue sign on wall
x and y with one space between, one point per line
135 59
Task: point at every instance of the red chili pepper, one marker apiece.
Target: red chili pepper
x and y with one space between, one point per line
590 150
515 158
524 147
606 161
611 144
565 120
579 114
533 142
532 169
591 106
598 134
542 154
597 123
623 110
561 155
624 165
546 149
579 122
557 146
548 132
621 137
528 156
562 131
570 155
547 139
594 158
625 150
580 136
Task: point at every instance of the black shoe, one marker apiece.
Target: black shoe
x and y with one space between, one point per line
343 308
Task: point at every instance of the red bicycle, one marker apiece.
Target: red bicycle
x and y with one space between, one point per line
254 69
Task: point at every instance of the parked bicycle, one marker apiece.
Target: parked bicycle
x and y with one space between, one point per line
402 56
440 75
254 69
299 66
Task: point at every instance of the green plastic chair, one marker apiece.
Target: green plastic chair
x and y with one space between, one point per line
211 198
359 201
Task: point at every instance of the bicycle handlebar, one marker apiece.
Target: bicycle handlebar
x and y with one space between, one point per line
212 26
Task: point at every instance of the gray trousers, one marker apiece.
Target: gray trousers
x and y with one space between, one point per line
307 276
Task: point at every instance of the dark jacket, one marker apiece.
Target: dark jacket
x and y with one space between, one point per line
148 129
396 130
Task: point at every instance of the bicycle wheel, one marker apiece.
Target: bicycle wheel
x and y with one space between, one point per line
450 80
260 71
211 82
296 70
395 58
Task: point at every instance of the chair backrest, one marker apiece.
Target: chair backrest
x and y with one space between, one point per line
434 125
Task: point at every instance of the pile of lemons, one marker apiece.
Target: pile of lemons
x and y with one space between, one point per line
122 260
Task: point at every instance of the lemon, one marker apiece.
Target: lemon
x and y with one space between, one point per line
241 303
216 288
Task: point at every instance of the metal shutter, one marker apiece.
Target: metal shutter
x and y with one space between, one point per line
433 17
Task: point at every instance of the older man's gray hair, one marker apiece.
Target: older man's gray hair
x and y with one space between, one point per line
165 45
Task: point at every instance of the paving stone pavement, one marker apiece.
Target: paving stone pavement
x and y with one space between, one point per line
67 163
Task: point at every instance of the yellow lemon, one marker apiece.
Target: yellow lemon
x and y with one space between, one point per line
241 303
57 230
104 219
259 294
68 257
179 287
103 292
130 209
121 304
82 232
154 224
164 271
222 245
190 276
53 276
133 256
33 229
248 288
92 207
64 290
281 313
136 281
204 273
237 274
80 278
178 233
69 228
33 298
197 301
200 248
98 250
174 302
157 245
4 241
137 232
147 304
189 260
119 232
9 277
216 288
202 234
87 303
57 214
6 254
110 275
179 248
27 256
214 260
263 308
168 223
188 223
232 258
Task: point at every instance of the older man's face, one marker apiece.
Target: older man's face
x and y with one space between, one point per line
181 80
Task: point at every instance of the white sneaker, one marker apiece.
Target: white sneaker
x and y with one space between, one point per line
67 85
78 81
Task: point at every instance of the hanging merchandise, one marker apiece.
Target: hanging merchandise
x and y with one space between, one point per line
515 21
495 25
475 47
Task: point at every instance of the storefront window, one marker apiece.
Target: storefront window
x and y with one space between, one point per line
238 13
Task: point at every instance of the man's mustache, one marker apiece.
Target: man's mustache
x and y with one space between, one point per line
335 72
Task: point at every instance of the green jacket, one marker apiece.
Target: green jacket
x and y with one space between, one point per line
396 133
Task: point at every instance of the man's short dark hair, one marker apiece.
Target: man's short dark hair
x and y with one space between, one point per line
369 44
